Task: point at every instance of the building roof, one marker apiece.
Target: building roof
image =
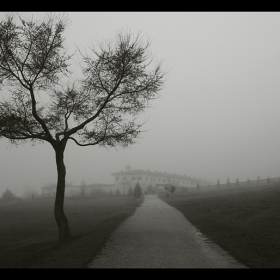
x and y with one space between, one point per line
156 173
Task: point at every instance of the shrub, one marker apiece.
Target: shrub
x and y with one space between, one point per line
8 195
237 182
228 182
137 190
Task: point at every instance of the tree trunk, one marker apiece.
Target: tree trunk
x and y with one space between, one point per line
61 220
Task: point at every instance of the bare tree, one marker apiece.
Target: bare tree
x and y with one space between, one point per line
99 109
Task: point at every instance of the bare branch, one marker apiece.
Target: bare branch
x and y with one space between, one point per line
31 56
117 85
118 80
83 145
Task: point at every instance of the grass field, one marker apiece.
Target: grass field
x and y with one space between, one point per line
245 221
28 235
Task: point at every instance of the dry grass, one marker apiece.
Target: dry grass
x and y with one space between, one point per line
29 233
244 221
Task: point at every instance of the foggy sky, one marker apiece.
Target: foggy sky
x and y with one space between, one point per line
218 115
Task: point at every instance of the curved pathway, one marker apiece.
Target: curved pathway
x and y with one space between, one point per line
159 236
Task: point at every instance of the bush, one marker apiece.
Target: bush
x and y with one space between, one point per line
228 182
137 190
8 195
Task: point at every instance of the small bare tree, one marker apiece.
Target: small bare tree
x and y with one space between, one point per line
99 109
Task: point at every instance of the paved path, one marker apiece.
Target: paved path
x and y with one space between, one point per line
159 236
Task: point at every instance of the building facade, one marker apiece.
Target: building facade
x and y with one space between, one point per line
157 180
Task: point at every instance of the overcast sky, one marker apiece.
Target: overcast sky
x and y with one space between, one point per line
218 115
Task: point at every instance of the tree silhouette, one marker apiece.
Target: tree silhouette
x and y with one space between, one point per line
83 187
98 109
137 192
172 189
8 195
218 183
228 182
237 182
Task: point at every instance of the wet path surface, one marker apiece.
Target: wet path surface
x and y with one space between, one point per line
159 236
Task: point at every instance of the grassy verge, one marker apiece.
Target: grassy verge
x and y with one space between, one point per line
245 222
29 233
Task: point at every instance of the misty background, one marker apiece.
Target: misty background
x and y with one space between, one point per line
218 114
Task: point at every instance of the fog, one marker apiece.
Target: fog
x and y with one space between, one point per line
218 114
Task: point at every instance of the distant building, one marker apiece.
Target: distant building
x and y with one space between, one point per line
157 180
